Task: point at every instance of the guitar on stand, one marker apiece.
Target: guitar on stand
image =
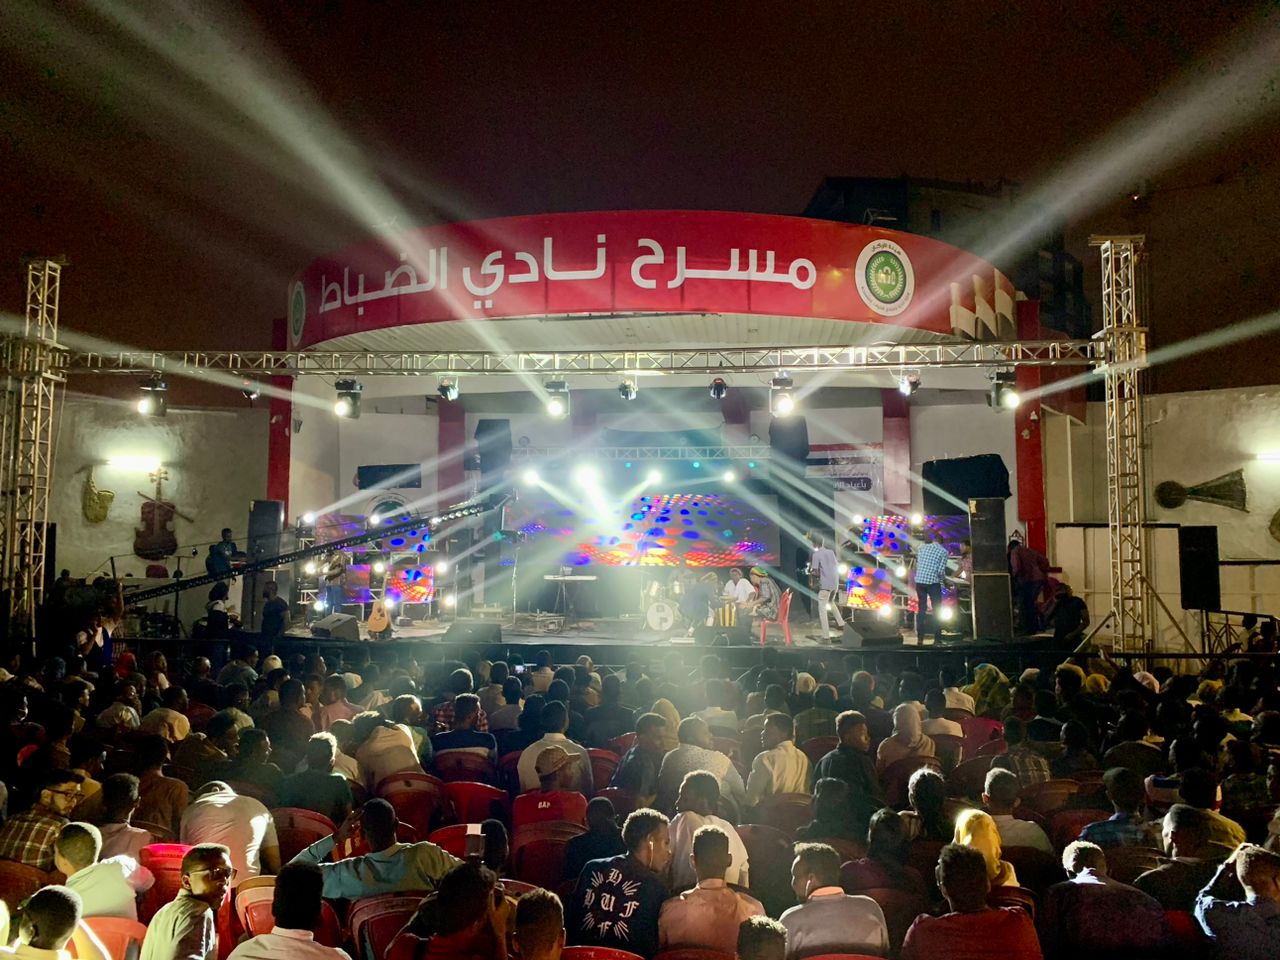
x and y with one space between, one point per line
379 622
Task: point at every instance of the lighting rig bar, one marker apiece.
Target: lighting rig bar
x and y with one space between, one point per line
1036 353
469 508
720 452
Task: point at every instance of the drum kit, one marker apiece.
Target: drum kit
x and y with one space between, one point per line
660 602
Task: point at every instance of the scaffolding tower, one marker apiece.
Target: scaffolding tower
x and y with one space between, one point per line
1124 336
32 379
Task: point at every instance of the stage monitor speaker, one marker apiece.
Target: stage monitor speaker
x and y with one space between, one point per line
718 636
473 633
337 626
266 524
963 478
987 535
868 629
992 606
1198 575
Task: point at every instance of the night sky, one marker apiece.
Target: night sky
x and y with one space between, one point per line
179 160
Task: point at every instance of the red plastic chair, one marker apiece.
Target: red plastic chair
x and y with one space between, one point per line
418 799
623 802
1013 897
1065 825
165 861
19 881
785 811
375 921
199 714
603 765
597 953
1126 863
1187 935
451 839
770 852
122 938
569 806
815 748
474 802
298 828
620 745
691 953
950 750
842 956
783 621
895 777
508 774
25 753
455 765
977 731
731 747
969 778
900 908
1049 796
538 851
993 748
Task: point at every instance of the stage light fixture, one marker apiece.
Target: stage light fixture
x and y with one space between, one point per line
782 402
450 600
653 477
858 519
250 390
448 388
308 518
729 476
531 478
697 464
627 390
946 613
318 606
917 519
1003 396
310 568
885 611
1010 399
718 389
557 404
900 571
908 384
347 405
442 566
842 568
379 567
389 603
154 401
586 476
1269 456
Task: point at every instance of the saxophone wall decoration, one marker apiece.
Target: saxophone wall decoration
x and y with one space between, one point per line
95 503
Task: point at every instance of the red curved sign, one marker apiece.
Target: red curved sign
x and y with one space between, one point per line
654 262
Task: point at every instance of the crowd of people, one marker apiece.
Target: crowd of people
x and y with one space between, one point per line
813 803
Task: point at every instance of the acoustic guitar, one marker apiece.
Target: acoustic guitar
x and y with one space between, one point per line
379 622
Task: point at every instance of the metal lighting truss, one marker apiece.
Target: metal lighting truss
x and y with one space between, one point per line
31 380
673 452
1045 353
1125 338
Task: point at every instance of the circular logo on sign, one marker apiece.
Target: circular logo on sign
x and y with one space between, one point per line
885 279
297 313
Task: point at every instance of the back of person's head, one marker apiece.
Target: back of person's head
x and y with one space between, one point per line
497 845
558 692
862 687
466 706
1185 754
1069 679
948 675
1082 855
1125 789
1188 830
761 938
119 796
80 844
1199 788
830 800
219 725
1015 731
251 740
601 815
463 897
498 672
335 687
640 826
512 690
711 858
1001 790
962 875
1046 704
50 917
152 751
775 697
935 701
379 820
887 837
460 681
781 725
927 794
1132 726
703 789
1258 871
566 675
849 719
555 716
910 686
405 708
824 697
1074 735
690 730
539 931
172 697
611 689
321 752
293 694
296 903
820 860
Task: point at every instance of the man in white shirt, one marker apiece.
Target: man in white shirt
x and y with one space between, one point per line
296 908
555 721
708 915
956 698
185 928
823 563
828 920
241 824
719 714
107 888
120 798
697 805
738 589
1000 797
780 767
936 704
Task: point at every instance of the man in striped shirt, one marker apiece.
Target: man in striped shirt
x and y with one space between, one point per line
931 566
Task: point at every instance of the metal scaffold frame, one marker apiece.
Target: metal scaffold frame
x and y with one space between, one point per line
35 365
1125 337
31 365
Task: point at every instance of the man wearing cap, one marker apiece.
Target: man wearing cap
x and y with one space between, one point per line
555 721
556 798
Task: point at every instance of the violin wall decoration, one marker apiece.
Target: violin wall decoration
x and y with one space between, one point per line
155 539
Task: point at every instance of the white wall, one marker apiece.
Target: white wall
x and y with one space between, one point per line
964 430
216 460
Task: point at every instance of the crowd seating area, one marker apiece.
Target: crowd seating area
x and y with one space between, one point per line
672 805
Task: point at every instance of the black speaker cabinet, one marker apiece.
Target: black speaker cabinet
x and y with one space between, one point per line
987 535
992 606
473 633
1198 568
266 524
337 626
868 629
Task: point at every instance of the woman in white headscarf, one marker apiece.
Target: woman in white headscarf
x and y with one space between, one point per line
907 739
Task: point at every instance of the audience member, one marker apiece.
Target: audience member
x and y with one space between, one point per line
1132 750
555 798
207 756
460 682
185 928
1247 929
490 695
29 837
780 767
602 840
885 864
708 915
935 702
507 715
162 799
465 736
1076 755
696 807
319 787
120 799
168 720
252 766
555 721
1030 766
761 938
1126 827
617 901
953 697
1000 797
696 751
611 719
107 887
907 740
637 772
972 930
50 922
296 907
820 719
220 816
1193 859
851 762
334 704
1044 727
975 828
928 818
828 920
466 918
539 931
1200 789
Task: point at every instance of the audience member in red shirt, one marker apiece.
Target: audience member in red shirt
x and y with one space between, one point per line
554 800
973 930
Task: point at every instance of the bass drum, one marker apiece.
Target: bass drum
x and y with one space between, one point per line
660 616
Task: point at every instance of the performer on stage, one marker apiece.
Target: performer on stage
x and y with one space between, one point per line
823 565
768 596
930 567
738 589
335 576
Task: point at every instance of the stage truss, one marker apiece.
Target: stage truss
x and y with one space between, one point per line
35 364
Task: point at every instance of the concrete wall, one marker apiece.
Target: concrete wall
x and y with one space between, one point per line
216 460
